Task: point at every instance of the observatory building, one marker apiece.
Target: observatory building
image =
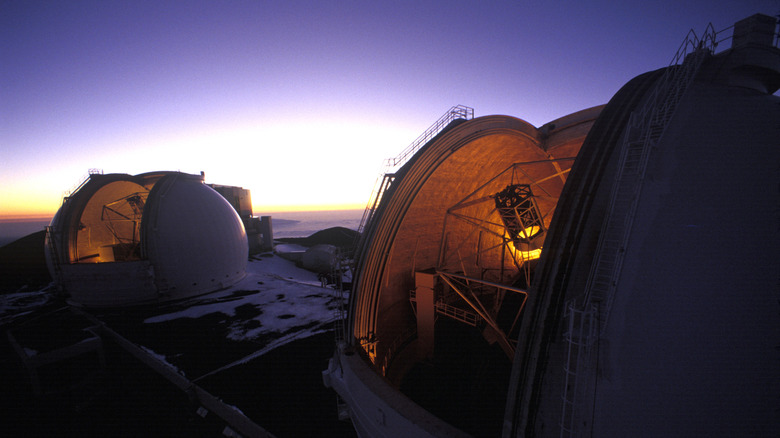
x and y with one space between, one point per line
611 273
123 240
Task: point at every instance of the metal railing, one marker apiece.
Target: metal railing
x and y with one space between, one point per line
56 258
83 181
723 35
394 347
581 333
454 113
454 312
457 313
341 264
386 174
646 126
381 184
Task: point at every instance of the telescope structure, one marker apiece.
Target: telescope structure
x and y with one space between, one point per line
611 273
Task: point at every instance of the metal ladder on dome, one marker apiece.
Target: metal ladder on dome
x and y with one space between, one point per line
645 128
647 124
51 242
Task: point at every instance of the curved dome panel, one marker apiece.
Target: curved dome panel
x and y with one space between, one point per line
408 233
441 207
652 309
109 224
194 238
455 238
697 292
667 299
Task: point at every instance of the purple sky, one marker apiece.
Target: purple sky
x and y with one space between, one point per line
299 101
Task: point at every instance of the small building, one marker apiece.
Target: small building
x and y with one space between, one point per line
239 197
259 230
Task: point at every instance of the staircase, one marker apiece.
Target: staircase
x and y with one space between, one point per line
645 127
54 256
390 165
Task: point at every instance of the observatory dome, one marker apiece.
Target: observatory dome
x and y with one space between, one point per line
123 240
458 232
611 273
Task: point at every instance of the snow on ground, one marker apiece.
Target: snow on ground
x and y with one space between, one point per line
275 304
16 305
282 295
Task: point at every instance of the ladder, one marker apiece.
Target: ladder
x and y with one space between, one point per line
340 265
580 333
586 320
645 127
386 175
54 255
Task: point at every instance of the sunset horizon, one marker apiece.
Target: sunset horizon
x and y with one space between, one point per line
299 103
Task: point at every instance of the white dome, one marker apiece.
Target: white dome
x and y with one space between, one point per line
193 238
123 240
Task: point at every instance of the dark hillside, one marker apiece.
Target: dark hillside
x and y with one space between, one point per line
337 236
23 265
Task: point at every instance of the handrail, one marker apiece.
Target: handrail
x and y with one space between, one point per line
380 186
339 267
403 338
454 113
447 309
775 40
457 313
691 45
84 180
56 261
580 333
386 176
645 127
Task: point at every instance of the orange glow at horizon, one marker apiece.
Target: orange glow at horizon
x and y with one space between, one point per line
44 213
258 209
278 164
28 206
